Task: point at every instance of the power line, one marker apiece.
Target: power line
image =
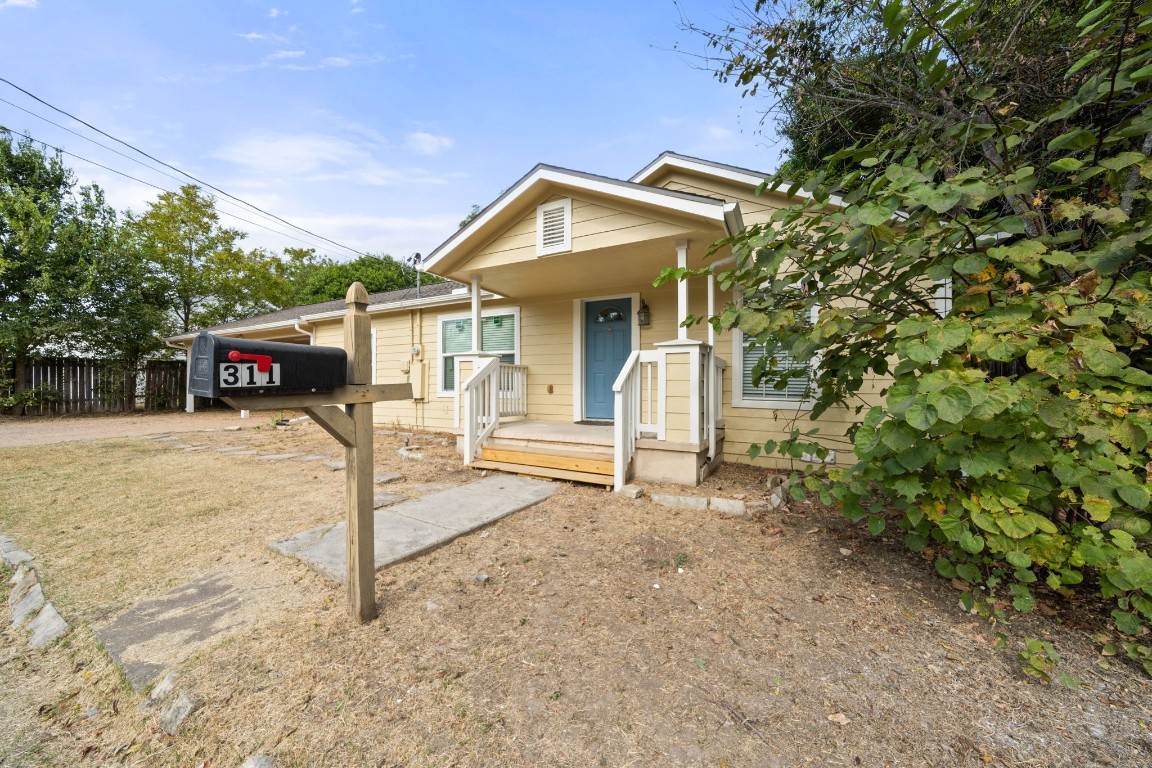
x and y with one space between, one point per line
146 183
142 164
174 168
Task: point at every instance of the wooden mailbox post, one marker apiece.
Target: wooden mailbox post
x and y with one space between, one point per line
352 427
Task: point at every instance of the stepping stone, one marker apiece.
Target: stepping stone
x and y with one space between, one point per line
232 429
276 456
315 457
232 449
245 452
32 601
387 499
158 632
417 526
162 437
196 448
380 478
16 556
335 466
177 711
47 628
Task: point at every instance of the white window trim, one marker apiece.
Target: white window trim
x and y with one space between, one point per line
943 297
566 245
453 317
737 368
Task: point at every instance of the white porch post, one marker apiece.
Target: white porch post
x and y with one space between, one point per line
681 290
475 314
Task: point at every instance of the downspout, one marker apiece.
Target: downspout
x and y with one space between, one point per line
310 334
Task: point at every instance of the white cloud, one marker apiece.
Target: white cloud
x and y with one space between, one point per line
719 132
19 3
336 61
427 143
330 62
256 36
274 12
273 157
286 55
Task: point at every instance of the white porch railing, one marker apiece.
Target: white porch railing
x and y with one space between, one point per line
481 395
513 390
640 402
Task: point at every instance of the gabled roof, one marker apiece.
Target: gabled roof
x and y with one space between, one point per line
707 167
287 318
544 177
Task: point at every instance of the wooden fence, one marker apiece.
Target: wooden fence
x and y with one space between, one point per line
74 386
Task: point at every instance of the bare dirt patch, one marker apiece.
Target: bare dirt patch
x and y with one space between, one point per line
609 631
45 430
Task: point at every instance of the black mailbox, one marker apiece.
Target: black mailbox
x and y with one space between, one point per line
224 367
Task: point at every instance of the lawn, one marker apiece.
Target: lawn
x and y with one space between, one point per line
609 631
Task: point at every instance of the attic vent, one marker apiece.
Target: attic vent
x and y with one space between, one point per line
554 227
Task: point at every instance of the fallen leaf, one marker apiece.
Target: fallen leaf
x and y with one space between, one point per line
839 718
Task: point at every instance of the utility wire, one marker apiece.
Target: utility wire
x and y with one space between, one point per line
174 168
146 183
139 162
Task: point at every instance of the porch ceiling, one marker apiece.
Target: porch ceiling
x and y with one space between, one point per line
590 272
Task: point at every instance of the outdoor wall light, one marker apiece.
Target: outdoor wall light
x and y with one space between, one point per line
644 316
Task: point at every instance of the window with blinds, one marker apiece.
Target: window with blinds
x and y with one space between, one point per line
497 334
554 227
797 389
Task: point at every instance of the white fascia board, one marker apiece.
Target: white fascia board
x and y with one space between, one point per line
728 174
286 324
679 202
674 161
376 309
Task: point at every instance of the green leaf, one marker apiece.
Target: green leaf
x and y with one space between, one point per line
1137 569
1134 495
1097 507
1128 623
945 568
1018 559
1066 165
971 543
876 525
952 404
1016 526
971 264
875 214
921 415
1023 600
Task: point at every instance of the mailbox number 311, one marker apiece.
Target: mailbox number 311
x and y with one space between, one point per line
246 375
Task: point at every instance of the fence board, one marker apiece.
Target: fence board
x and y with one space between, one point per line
80 386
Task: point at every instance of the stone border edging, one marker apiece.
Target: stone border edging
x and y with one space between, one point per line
30 610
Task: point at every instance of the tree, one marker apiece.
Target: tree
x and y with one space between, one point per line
1014 438
207 278
330 280
50 234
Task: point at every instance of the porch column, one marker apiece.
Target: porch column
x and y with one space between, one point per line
681 290
475 314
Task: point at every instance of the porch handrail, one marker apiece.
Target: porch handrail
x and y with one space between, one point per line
481 394
513 390
626 391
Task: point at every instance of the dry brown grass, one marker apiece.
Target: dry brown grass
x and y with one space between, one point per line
569 656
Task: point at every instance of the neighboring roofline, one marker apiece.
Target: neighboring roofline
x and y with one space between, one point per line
373 309
681 202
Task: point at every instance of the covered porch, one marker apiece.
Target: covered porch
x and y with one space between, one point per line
608 383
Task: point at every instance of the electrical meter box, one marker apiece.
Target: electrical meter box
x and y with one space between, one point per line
225 367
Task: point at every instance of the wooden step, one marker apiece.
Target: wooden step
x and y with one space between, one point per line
554 473
573 461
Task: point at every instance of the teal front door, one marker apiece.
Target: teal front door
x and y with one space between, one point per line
607 344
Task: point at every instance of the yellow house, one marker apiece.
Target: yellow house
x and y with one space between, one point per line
550 352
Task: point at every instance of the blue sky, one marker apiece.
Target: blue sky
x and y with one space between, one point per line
375 123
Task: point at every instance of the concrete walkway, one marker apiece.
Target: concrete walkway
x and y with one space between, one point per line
414 527
163 631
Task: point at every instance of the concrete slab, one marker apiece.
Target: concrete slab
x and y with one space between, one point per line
147 638
335 466
315 457
276 456
381 478
414 527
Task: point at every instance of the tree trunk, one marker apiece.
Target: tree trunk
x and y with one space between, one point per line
20 382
